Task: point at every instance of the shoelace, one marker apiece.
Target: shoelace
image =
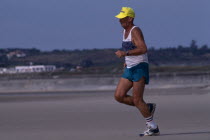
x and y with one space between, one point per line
147 129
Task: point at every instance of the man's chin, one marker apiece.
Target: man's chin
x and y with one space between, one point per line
123 26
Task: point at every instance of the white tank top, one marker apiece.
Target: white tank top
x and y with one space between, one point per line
128 45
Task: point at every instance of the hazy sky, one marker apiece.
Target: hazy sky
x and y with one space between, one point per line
87 24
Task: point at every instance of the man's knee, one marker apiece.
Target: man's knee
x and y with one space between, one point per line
119 97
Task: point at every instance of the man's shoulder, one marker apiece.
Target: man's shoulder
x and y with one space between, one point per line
137 29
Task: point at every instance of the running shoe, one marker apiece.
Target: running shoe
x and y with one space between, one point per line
150 132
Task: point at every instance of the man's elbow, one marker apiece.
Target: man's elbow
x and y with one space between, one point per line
144 50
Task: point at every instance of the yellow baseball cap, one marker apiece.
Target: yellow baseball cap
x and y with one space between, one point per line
126 12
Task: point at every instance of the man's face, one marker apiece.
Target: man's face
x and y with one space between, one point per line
125 21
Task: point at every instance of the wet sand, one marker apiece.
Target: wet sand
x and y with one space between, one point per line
182 113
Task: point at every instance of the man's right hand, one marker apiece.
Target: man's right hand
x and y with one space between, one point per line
120 53
124 65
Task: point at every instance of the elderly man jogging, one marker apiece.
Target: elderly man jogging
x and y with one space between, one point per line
136 72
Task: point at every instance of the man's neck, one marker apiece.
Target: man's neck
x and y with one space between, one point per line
129 27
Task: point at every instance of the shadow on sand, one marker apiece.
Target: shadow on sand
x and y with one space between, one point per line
185 133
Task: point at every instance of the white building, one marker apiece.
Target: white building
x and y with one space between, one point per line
28 69
35 68
3 70
7 70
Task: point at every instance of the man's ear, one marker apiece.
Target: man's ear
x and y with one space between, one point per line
130 19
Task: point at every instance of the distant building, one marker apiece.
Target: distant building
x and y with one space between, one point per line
15 53
79 68
28 69
3 70
7 70
35 68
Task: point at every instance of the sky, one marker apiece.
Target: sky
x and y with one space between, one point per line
88 24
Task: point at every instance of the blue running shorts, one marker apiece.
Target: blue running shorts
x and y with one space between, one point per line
137 72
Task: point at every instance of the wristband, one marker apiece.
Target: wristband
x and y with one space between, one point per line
127 53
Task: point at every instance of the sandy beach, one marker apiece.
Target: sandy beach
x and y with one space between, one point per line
182 113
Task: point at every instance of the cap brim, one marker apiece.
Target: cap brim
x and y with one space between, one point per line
120 16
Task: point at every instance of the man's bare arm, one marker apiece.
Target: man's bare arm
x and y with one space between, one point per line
138 41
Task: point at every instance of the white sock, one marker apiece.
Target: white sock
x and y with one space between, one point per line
150 122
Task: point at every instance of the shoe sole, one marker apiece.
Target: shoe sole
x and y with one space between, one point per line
155 134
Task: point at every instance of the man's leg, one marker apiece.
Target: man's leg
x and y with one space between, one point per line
138 91
121 96
123 87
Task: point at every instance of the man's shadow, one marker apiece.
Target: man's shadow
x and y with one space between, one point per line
185 133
